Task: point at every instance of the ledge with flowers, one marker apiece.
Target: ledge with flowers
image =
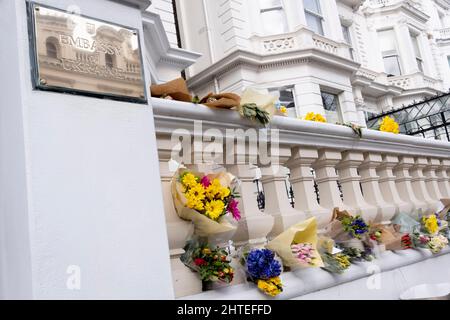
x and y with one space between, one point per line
341 253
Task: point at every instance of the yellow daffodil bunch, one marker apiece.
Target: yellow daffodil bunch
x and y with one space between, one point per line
208 196
388 124
316 117
271 287
431 224
283 110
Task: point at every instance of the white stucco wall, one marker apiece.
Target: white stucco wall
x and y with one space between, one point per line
79 181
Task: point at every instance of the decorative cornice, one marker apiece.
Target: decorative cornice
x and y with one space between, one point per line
263 62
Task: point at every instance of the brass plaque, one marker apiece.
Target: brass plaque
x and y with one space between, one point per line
77 54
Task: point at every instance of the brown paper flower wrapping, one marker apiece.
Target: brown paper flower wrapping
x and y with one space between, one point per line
304 232
335 230
204 226
390 237
175 89
222 100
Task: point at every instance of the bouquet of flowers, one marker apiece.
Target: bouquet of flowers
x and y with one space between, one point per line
434 243
172 90
334 260
388 124
222 100
316 117
391 239
356 255
206 200
263 269
297 246
347 230
212 264
432 224
257 107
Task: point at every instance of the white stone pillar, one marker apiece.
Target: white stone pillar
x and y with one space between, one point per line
388 186
302 181
443 178
351 188
185 281
419 185
370 183
405 187
327 178
274 180
309 97
84 200
431 179
348 108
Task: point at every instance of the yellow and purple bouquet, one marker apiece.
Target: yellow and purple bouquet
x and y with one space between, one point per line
206 200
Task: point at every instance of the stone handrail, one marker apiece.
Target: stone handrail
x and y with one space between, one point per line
381 174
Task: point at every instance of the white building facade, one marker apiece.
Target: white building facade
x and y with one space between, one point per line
346 59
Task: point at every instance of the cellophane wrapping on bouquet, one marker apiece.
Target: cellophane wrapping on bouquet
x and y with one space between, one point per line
263 268
432 235
334 260
297 246
257 107
347 231
444 214
209 201
405 223
212 263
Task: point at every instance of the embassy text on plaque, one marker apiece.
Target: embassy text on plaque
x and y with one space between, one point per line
77 54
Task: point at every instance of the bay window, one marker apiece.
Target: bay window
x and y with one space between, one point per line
273 17
313 14
389 51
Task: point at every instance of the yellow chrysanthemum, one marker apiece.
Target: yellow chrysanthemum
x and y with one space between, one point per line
431 224
271 287
214 190
189 180
214 209
283 109
316 117
388 124
194 202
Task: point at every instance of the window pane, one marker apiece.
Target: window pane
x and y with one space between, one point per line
331 105
312 5
346 32
420 64
286 98
314 23
267 4
415 43
392 66
387 41
274 22
448 58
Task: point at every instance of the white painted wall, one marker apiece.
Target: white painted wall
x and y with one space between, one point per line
165 10
79 181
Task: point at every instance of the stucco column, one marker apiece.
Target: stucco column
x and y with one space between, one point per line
405 187
419 185
388 185
302 181
443 178
309 98
370 183
327 178
350 181
274 180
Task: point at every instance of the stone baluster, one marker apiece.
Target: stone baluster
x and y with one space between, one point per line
388 185
431 179
327 179
370 183
185 281
351 188
255 225
420 186
405 187
274 178
302 181
443 178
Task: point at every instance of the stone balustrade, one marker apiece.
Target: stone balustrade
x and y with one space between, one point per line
381 174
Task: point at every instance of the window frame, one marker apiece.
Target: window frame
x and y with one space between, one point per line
279 8
337 100
417 51
391 53
346 30
318 15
